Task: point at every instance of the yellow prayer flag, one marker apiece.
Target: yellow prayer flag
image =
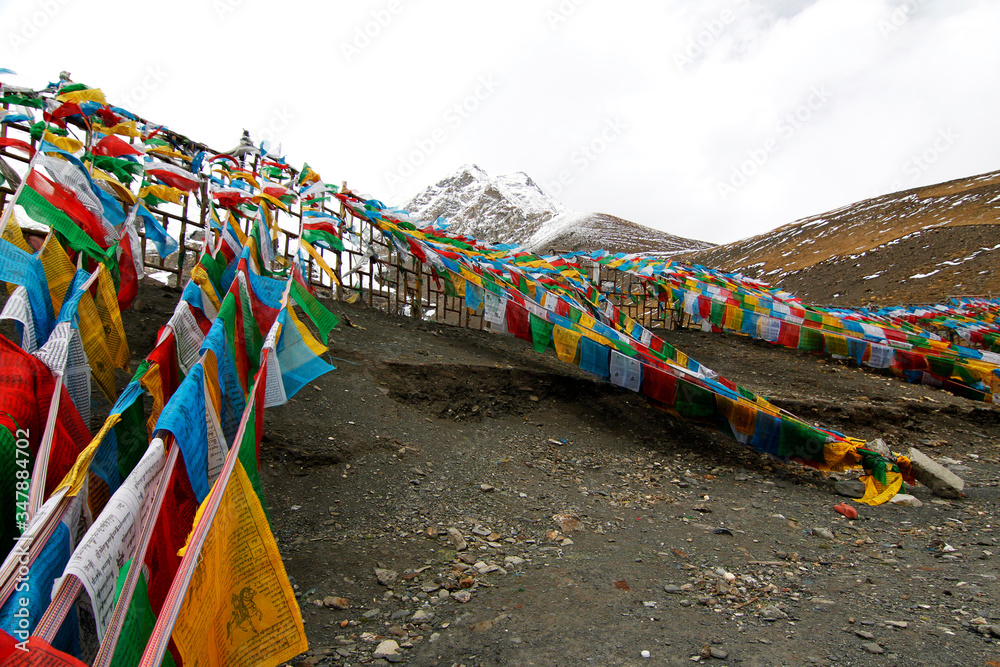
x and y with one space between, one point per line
567 344
102 368
58 270
153 383
85 95
317 347
12 233
111 320
742 416
876 493
239 608
168 152
77 475
164 192
319 260
124 194
200 277
263 196
471 276
67 144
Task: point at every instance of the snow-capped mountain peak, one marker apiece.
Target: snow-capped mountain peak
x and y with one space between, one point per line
513 209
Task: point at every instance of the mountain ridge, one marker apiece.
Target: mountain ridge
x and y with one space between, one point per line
512 208
913 246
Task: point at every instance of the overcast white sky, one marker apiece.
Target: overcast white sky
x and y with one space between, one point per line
714 119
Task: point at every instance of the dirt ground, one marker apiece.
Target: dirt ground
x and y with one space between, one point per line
450 497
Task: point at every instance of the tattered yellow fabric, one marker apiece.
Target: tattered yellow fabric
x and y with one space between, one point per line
240 608
842 454
167 152
317 347
319 260
67 144
471 276
85 95
153 383
12 233
876 493
733 319
200 278
92 334
567 344
274 201
126 128
111 321
836 345
77 475
164 192
124 194
58 270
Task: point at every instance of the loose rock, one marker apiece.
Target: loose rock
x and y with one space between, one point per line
941 481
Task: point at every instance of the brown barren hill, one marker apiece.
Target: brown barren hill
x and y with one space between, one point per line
914 246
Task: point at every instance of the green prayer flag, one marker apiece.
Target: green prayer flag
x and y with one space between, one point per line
324 320
138 626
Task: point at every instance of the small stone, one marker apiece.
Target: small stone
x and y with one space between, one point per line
386 648
457 540
872 647
902 625
864 634
434 637
995 630
718 653
906 500
671 588
879 447
486 487
461 596
386 577
422 616
513 561
480 531
850 488
568 522
372 614
823 532
772 613
335 602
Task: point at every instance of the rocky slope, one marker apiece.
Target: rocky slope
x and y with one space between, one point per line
918 245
